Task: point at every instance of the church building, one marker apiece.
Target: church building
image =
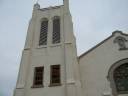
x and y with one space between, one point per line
50 65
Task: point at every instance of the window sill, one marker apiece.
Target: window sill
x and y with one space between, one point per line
123 92
56 84
54 45
37 86
39 47
123 49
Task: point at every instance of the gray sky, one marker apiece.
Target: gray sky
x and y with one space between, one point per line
94 20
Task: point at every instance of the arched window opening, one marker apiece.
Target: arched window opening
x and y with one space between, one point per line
56 30
43 32
120 76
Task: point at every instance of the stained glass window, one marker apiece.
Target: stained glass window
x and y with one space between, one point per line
56 30
43 32
121 78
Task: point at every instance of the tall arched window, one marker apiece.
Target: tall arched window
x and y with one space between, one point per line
56 30
43 32
121 78
118 76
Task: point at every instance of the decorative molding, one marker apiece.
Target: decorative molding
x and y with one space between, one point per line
37 86
20 87
53 85
107 93
67 43
121 41
27 48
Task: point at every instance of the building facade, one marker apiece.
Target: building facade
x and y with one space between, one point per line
104 68
50 65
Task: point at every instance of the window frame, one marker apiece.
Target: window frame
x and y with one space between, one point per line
40 42
54 30
34 78
51 76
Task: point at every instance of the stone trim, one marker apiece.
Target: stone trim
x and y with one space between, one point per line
121 42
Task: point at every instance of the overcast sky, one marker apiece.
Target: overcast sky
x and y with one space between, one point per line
94 20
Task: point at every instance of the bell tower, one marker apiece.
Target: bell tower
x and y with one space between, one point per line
49 65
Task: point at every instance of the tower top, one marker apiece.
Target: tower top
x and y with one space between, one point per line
66 4
36 6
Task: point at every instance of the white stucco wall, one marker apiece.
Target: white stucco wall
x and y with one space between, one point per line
94 67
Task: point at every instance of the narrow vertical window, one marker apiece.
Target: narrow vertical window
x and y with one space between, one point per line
56 30
43 32
38 77
55 75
